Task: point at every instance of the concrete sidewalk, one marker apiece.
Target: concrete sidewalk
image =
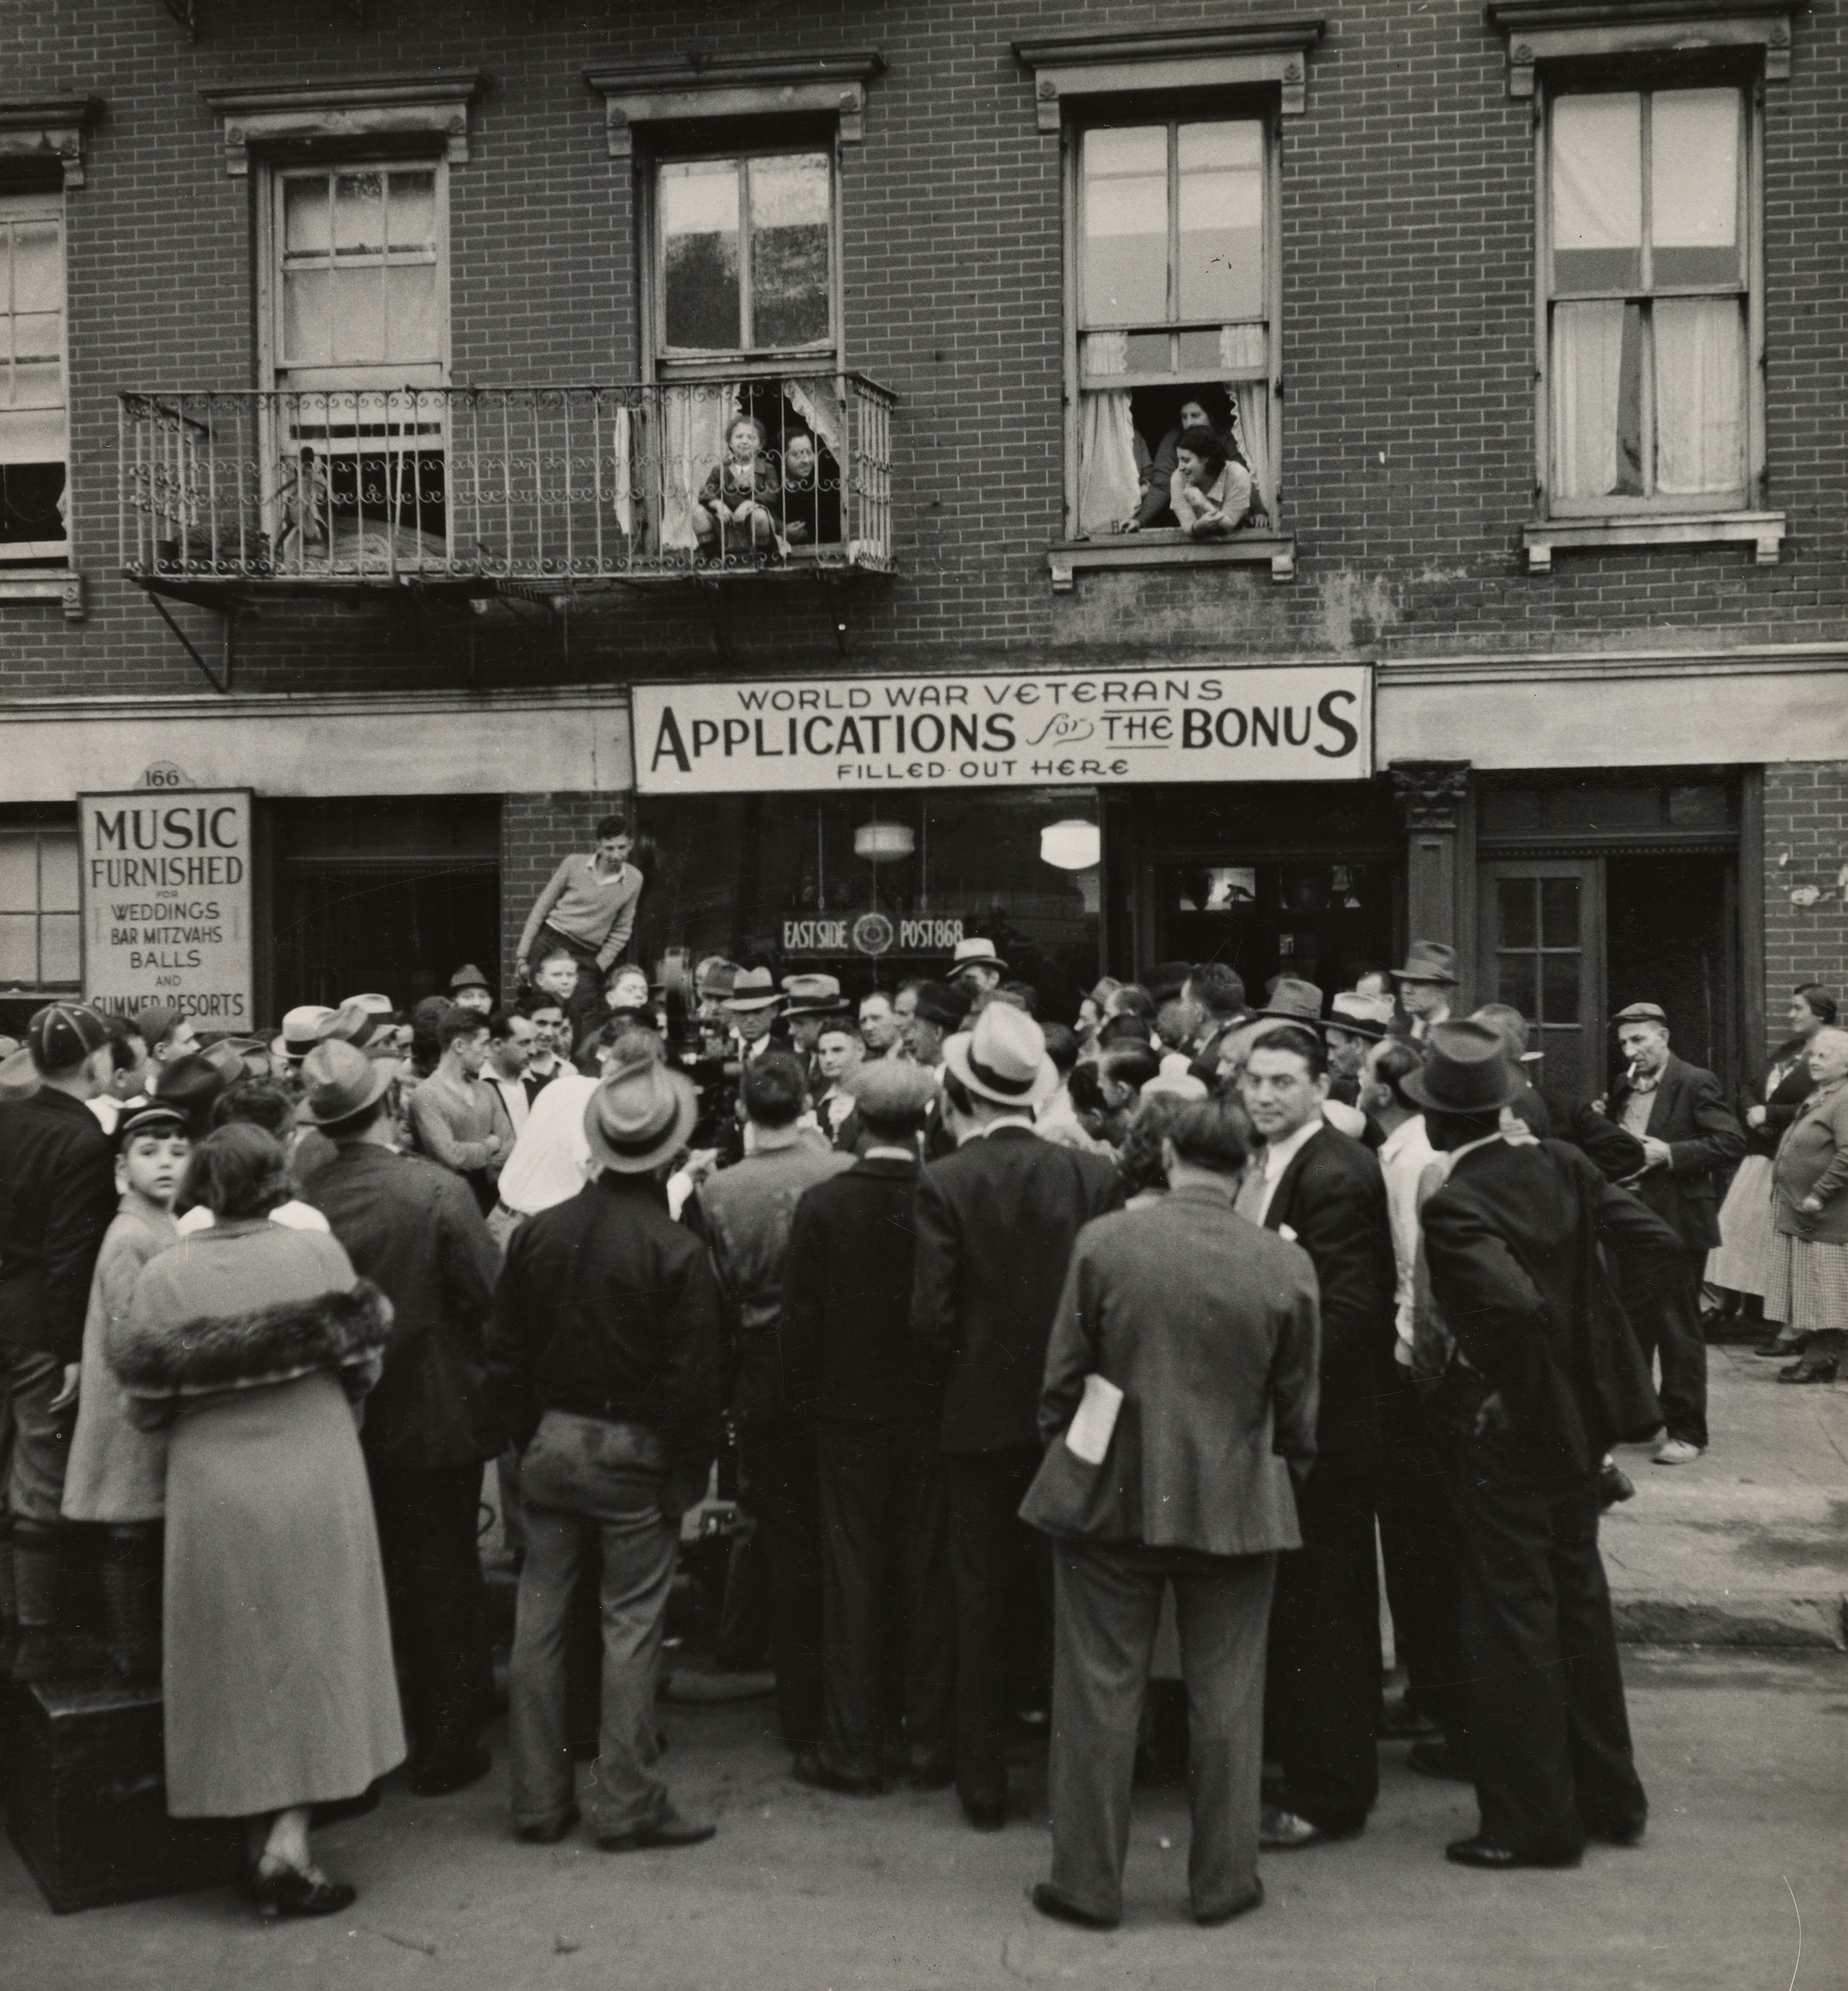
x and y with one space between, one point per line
1749 1545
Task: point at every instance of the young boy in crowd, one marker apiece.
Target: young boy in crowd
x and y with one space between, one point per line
117 1472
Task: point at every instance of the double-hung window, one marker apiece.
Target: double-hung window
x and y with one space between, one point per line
34 408
40 943
357 282
1176 283
744 326
1650 314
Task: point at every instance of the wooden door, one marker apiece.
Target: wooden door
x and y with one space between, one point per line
1540 933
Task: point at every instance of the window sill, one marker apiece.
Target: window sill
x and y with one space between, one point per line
1071 557
1765 530
44 584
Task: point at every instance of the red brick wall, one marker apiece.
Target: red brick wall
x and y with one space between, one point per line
1806 845
536 831
1407 226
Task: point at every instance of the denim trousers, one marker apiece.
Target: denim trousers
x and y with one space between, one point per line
592 1489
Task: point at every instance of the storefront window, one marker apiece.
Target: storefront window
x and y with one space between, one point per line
876 892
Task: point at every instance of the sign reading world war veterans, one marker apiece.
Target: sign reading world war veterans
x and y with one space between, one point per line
166 898
1309 723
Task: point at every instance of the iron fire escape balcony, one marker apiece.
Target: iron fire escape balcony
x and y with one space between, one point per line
230 494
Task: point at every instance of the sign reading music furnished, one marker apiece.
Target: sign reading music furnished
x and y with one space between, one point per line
166 898
1209 723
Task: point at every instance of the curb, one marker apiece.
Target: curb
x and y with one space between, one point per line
1815 1623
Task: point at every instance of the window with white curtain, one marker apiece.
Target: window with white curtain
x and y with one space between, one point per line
1176 297
34 409
1649 333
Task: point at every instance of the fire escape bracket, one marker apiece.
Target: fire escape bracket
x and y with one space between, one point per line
228 615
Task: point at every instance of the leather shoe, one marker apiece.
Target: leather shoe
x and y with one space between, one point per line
670 1830
280 1890
1484 1852
1676 1451
984 1815
1613 1485
1439 1759
1049 1903
445 1770
1798 1372
548 1835
1280 1831
1218 1917
808 1768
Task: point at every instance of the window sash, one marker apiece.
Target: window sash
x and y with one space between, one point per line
34 377
749 351
40 923
1692 439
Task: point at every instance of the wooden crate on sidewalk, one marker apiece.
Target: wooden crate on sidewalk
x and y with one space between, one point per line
86 1800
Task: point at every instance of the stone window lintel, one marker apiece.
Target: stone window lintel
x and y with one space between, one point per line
656 93
49 128
1264 50
355 108
1540 31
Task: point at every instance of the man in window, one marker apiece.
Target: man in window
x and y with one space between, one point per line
812 496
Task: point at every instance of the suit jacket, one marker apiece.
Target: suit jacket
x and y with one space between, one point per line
1514 1243
1613 1151
413 1228
1690 1113
58 1198
846 1344
996 1222
1210 1328
744 1213
1332 1196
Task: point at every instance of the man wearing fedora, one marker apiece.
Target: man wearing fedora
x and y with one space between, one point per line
1427 984
810 1002
1541 1374
1356 1024
996 1221
1323 1189
976 969
469 989
1689 1135
603 1364
413 1228
753 1010
743 1213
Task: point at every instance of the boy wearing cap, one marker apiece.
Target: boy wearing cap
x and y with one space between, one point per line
57 1199
117 1472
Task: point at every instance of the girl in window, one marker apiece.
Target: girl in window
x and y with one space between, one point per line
736 512
1209 492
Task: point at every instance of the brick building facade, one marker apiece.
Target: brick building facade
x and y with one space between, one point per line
1608 698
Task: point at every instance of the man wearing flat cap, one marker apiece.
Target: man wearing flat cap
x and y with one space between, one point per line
1540 1376
846 1351
1689 1135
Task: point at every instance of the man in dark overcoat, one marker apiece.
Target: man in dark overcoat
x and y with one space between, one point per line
887 1610
1542 1377
1689 1136
413 1228
1315 1185
996 1221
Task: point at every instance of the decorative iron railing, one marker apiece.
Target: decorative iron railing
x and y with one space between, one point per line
568 484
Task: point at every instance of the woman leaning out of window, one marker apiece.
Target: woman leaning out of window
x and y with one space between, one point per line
1210 492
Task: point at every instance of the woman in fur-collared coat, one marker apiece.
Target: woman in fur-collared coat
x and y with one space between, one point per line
256 1344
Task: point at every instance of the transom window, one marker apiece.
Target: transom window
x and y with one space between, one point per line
1648 299
1176 304
40 940
745 256
34 417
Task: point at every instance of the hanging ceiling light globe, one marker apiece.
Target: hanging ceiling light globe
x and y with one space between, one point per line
883 843
1072 845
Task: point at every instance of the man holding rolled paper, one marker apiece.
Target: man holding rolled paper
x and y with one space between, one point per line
1179 1411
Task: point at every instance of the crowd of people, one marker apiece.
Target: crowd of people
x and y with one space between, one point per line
1013 1329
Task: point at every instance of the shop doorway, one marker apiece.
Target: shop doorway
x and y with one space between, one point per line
1569 941
375 893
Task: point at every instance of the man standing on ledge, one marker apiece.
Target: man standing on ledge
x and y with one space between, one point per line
589 908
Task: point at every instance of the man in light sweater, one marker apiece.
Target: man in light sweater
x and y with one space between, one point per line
588 906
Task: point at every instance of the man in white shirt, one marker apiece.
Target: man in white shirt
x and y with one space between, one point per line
551 1043
510 1040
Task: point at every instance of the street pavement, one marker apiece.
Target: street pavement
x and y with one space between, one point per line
1735 1566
